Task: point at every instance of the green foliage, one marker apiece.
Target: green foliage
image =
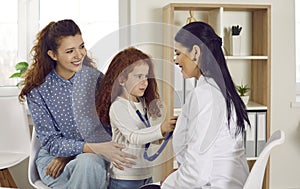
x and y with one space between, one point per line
242 89
21 68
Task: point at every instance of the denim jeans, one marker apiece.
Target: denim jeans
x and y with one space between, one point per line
86 171
128 184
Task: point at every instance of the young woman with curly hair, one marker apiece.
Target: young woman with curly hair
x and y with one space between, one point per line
60 89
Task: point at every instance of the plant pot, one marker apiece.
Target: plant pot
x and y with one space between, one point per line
245 99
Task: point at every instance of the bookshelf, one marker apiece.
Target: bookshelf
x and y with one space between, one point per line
251 66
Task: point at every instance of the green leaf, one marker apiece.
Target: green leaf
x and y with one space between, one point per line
15 75
21 66
242 89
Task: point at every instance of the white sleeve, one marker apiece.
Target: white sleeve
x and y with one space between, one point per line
195 168
121 118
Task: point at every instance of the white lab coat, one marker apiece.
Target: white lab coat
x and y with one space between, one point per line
209 153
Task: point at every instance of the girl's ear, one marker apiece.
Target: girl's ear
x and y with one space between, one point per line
52 55
121 80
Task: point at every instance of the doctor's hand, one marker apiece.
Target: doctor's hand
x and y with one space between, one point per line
57 165
112 152
168 125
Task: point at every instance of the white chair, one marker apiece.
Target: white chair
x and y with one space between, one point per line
256 176
14 133
33 176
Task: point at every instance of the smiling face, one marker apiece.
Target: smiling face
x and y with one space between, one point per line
189 68
69 56
137 81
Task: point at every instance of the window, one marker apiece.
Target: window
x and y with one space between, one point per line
18 27
9 40
94 19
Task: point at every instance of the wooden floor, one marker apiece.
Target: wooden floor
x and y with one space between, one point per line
6 180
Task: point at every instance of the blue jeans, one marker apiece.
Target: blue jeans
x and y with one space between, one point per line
128 184
85 171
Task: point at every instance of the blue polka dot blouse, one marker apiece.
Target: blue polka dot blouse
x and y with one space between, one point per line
64 112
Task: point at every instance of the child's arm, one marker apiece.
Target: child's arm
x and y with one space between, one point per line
123 117
129 129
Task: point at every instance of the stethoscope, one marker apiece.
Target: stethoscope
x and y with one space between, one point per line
146 122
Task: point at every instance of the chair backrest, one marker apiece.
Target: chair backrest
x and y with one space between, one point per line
256 176
15 134
33 175
32 170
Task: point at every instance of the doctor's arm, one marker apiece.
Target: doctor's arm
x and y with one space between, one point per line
192 171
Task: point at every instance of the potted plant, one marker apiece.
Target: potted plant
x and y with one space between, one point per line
21 68
243 90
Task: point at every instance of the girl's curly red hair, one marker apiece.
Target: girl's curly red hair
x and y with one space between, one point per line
121 65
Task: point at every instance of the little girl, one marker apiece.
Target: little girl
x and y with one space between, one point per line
129 95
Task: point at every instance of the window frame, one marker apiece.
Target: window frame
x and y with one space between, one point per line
297 51
28 23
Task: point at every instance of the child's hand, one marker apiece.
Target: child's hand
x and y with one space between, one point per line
168 125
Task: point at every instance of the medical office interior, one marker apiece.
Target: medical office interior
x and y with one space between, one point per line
265 57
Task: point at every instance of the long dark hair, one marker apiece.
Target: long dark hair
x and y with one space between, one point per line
212 64
48 38
122 64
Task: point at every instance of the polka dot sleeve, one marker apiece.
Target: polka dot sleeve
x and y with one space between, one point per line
51 111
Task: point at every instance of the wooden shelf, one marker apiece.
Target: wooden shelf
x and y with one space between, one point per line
256 106
251 158
246 57
250 106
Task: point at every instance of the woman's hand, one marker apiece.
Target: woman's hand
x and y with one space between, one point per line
56 166
168 125
112 152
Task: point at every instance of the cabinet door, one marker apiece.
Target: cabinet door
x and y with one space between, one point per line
261 131
255 137
250 137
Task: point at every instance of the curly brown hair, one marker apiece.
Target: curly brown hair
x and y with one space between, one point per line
48 38
121 65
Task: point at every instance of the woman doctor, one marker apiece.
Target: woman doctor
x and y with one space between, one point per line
207 140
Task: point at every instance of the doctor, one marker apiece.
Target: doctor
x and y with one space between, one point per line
207 139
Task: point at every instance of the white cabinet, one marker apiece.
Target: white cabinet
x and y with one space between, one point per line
255 136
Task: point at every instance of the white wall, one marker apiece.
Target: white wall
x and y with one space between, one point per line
285 160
